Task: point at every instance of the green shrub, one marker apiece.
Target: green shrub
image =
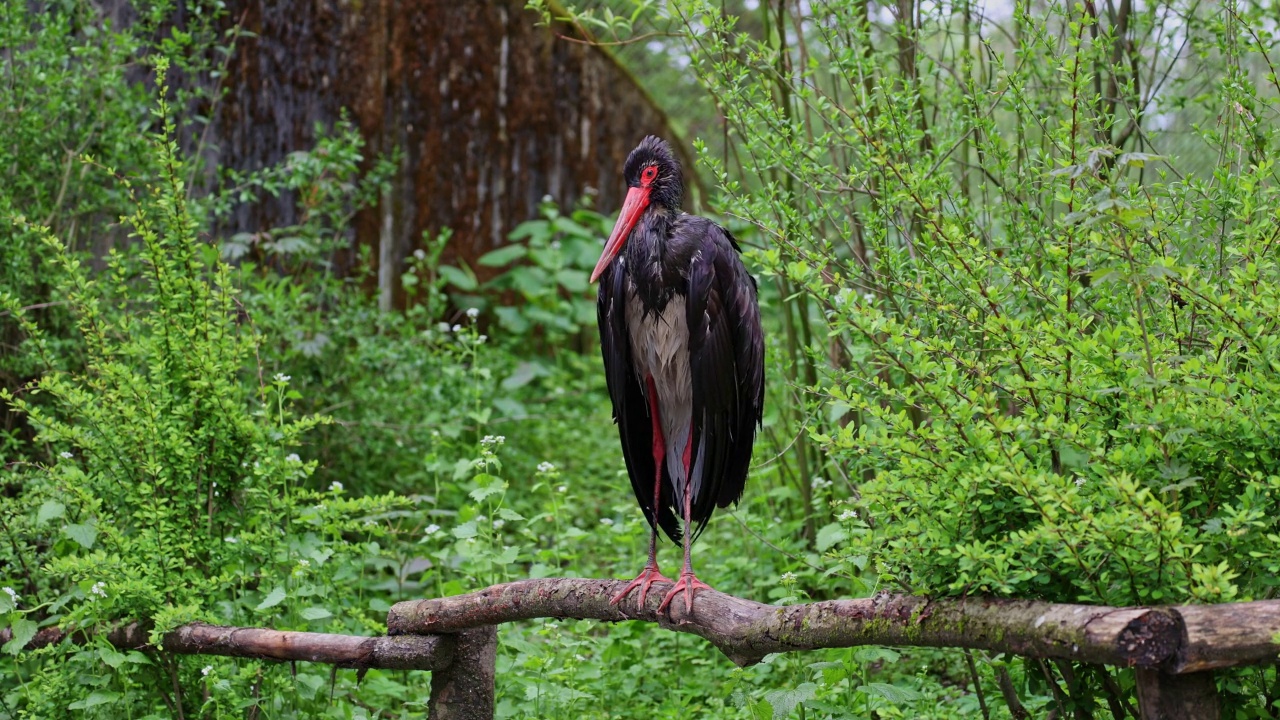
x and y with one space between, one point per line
175 493
1044 341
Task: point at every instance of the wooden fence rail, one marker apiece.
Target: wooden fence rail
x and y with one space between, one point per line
1174 649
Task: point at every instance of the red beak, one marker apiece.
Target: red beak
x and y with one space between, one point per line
637 200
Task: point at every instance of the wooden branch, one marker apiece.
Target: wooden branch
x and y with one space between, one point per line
350 651
1231 634
746 631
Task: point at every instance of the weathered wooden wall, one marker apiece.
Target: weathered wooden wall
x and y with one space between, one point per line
491 112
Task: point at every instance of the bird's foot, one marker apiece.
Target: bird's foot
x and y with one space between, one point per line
648 576
688 583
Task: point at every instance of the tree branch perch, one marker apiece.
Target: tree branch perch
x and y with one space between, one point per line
746 631
410 652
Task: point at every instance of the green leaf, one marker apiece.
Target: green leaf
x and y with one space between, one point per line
480 493
784 701
893 693
23 630
291 245
465 530
830 535
531 229
112 657
503 256
96 698
524 373
315 613
85 535
309 685
876 654
512 319
273 598
575 281
462 468
50 510
458 278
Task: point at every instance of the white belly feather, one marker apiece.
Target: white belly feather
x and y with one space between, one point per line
660 349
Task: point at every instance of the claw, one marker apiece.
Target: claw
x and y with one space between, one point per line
648 576
688 583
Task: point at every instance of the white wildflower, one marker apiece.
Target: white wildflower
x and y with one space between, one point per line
66 455
563 488
869 297
457 328
13 595
443 327
207 669
493 439
304 563
99 589
432 529
848 515
420 254
497 524
293 458
230 540
819 483
555 244
282 378
1080 481
335 486
482 338
606 521
788 577
545 467
473 313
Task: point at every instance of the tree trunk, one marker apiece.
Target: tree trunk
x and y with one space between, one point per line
490 113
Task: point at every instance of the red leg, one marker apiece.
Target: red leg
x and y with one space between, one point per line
688 582
650 574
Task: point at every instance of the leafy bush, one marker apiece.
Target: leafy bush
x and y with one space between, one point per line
174 495
1044 346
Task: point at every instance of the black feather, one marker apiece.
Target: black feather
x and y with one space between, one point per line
630 409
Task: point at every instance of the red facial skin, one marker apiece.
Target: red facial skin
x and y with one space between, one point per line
632 208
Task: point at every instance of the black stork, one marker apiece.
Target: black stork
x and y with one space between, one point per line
683 356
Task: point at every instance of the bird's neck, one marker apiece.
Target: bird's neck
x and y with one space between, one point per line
651 257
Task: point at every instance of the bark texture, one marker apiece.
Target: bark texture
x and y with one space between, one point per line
392 653
349 651
464 689
1225 635
1162 696
491 113
746 631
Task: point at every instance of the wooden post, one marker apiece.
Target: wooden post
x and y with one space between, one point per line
1162 696
464 689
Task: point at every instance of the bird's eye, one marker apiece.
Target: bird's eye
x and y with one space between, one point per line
649 174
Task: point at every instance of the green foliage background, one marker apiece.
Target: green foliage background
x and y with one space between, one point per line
1020 284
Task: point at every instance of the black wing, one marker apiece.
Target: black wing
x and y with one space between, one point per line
726 363
630 410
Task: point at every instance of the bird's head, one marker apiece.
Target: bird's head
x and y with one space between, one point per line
654 181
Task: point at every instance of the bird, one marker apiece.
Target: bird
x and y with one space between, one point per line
683 354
